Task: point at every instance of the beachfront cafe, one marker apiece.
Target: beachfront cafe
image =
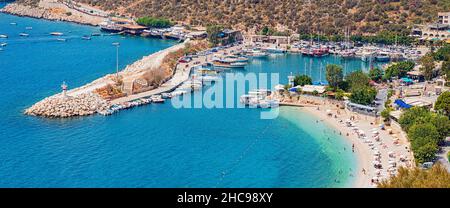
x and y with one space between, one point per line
363 109
401 104
412 102
133 29
313 88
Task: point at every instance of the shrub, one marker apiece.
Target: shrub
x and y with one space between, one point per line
436 177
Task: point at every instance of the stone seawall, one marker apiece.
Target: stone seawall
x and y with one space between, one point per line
59 106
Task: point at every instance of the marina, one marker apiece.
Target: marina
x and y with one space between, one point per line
117 115
163 115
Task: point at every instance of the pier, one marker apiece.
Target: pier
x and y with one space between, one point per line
84 101
181 75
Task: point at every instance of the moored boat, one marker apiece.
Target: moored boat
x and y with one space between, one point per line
56 33
157 99
383 57
86 37
3 36
24 34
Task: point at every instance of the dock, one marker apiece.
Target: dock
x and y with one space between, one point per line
181 75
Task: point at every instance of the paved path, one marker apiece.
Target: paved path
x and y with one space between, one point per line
181 75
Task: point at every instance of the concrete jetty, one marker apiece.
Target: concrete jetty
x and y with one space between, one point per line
83 100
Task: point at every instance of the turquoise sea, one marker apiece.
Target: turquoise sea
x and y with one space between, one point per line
153 145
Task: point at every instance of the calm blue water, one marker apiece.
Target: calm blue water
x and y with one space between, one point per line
153 145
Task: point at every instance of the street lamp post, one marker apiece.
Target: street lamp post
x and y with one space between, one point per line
117 60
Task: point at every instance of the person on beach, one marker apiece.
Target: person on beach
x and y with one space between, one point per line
364 171
353 147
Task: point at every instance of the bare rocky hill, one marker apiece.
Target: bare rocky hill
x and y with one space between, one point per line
325 16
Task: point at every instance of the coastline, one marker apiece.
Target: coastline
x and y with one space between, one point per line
53 11
361 151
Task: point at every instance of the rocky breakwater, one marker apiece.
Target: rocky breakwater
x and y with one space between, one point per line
60 106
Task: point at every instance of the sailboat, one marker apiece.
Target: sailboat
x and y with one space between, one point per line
347 53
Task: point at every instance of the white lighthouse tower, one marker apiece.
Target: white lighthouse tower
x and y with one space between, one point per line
64 89
291 80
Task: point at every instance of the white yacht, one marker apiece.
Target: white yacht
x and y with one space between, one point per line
56 33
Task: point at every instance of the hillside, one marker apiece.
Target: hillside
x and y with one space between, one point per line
306 16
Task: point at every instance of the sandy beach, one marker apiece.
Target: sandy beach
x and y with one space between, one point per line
328 112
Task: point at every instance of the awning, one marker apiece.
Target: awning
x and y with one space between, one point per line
402 104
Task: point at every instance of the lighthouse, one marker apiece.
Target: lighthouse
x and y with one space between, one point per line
291 80
64 89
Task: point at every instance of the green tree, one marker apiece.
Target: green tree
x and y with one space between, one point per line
376 74
443 103
442 54
357 79
334 74
385 114
425 153
398 69
414 115
445 69
436 177
363 95
420 134
213 33
154 22
428 66
302 80
442 124
339 95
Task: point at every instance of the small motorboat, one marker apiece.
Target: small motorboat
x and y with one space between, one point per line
3 44
157 99
3 36
13 23
56 33
28 28
95 34
61 40
24 34
86 37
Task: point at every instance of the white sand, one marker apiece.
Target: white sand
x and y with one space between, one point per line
363 152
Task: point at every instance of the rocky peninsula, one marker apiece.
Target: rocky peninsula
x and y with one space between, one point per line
67 106
53 10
